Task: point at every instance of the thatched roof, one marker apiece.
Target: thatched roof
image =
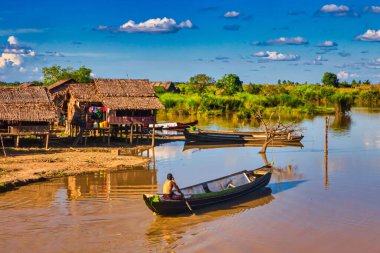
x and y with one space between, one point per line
59 83
132 103
124 87
26 85
165 85
84 92
118 94
26 104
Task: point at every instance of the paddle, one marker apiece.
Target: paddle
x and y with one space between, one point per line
188 206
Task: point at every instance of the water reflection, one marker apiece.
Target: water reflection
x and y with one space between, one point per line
341 124
165 231
130 183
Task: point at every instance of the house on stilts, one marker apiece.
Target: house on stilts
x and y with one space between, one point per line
26 111
111 108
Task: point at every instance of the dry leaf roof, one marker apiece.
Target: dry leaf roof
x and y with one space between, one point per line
59 83
124 87
26 104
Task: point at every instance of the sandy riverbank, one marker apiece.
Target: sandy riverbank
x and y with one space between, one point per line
23 166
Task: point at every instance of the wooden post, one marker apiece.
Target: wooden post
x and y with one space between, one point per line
131 135
326 152
47 141
153 134
2 144
109 135
17 141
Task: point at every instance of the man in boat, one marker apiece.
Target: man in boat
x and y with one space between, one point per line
168 189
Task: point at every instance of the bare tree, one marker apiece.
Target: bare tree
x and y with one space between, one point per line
275 129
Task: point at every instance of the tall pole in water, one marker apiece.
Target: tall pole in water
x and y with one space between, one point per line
326 152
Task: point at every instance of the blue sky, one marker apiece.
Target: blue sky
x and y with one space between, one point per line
261 41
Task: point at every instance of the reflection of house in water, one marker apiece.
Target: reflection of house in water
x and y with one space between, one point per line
131 183
37 195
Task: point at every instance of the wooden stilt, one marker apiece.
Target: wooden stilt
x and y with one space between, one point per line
153 134
131 135
47 141
17 140
109 135
2 144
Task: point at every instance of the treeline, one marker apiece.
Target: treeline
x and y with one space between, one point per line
202 94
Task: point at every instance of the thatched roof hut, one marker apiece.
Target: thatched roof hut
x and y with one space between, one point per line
60 85
26 85
127 94
32 104
83 92
167 86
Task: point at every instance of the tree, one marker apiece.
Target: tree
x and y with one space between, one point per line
230 83
56 73
200 82
367 82
274 128
330 79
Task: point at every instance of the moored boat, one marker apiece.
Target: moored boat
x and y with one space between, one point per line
173 125
239 137
211 192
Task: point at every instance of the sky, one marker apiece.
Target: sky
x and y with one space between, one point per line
172 40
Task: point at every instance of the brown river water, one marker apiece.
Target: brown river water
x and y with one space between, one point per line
307 206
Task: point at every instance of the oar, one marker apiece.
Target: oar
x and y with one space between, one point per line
188 206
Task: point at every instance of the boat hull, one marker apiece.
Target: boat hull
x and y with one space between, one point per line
171 207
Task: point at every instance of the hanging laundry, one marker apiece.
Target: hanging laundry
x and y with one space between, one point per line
95 109
104 109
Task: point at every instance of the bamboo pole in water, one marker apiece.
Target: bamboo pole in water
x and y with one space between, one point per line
326 151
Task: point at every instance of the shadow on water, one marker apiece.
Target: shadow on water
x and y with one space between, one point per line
284 186
167 230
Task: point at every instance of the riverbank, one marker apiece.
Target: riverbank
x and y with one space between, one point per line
23 166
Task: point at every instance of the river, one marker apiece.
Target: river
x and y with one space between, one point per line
309 205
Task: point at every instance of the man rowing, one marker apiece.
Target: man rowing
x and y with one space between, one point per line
168 189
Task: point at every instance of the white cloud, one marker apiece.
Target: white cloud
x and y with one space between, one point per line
6 32
333 8
231 14
275 56
22 69
286 41
342 75
369 35
375 64
158 25
327 43
14 54
12 40
375 9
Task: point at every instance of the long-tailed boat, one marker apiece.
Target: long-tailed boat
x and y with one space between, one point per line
173 125
211 192
239 137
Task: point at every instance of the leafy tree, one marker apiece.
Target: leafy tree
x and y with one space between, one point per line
330 79
367 82
200 82
354 83
230 83
279 81
56 73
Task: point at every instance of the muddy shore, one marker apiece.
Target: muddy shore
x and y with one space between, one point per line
23 166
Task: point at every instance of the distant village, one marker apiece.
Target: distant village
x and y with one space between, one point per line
106 107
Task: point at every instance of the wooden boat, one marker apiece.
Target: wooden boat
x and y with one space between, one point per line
173 125
211 192
239 137
215 145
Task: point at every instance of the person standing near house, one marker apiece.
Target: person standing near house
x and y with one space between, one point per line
168 189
